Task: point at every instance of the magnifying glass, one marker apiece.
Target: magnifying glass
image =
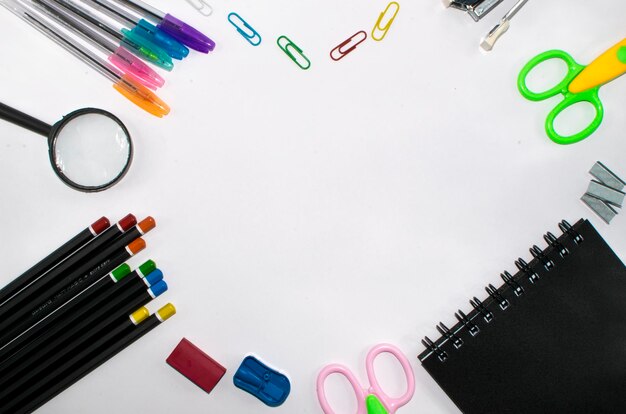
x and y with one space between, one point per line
90 149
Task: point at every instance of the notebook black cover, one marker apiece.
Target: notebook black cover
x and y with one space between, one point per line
560 347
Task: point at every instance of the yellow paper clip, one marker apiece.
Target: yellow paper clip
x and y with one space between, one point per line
298 57
348 45
385 29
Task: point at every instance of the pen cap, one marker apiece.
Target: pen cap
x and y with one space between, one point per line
171 46
146 268
100 225
146 224
139 315
129 63
154 277
136 246
120 272
158 289
141 96
166 312
145 49
186 34
127 222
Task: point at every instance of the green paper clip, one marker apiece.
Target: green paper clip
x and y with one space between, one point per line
287 48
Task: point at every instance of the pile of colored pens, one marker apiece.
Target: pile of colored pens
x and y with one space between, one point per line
113 37
74 310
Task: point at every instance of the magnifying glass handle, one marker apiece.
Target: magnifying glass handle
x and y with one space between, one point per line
25 121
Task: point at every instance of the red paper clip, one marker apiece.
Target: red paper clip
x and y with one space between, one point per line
351 42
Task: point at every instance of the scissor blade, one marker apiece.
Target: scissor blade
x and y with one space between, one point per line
610 65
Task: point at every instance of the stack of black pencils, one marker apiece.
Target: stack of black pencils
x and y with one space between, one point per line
74 310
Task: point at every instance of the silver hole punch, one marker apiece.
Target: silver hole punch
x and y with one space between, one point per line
475 8
202 6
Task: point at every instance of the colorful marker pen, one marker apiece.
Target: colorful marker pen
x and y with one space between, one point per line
119 56
125 84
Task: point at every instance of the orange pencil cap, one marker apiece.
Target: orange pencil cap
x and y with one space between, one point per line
136 246
146 224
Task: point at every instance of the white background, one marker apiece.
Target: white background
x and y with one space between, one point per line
306 216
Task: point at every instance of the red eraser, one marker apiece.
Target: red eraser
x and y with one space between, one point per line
197 366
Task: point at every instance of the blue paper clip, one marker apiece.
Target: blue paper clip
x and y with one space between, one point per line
245 29
385 29
287 48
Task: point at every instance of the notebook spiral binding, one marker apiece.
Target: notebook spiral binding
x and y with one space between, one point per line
495 293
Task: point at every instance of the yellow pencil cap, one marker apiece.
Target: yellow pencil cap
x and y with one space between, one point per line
166 312
139 315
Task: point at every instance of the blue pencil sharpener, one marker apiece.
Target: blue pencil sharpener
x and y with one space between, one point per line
265 383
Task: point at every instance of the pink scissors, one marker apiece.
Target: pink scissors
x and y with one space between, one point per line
370 400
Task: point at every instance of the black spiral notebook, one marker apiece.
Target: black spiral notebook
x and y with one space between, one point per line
550 339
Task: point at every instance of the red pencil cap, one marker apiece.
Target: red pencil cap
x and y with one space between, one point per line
197 366
127 222
100 225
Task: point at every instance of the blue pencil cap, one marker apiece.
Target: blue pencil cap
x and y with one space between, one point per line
154 277
159 288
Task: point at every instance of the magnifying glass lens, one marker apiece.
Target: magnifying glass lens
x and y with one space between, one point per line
92 150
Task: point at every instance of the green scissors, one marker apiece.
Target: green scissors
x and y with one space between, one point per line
581 84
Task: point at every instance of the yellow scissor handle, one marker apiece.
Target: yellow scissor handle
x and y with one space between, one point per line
608 66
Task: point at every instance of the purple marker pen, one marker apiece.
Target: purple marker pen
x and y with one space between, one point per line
176 28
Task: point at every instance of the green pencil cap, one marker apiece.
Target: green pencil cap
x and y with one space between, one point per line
146 268
120 272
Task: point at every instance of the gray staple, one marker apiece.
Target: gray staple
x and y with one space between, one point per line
602 209
606 193
606 176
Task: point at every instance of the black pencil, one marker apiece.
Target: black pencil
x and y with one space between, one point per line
112 308
53 259
67 344
75 283
55 296
68 265
63 375
96 297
